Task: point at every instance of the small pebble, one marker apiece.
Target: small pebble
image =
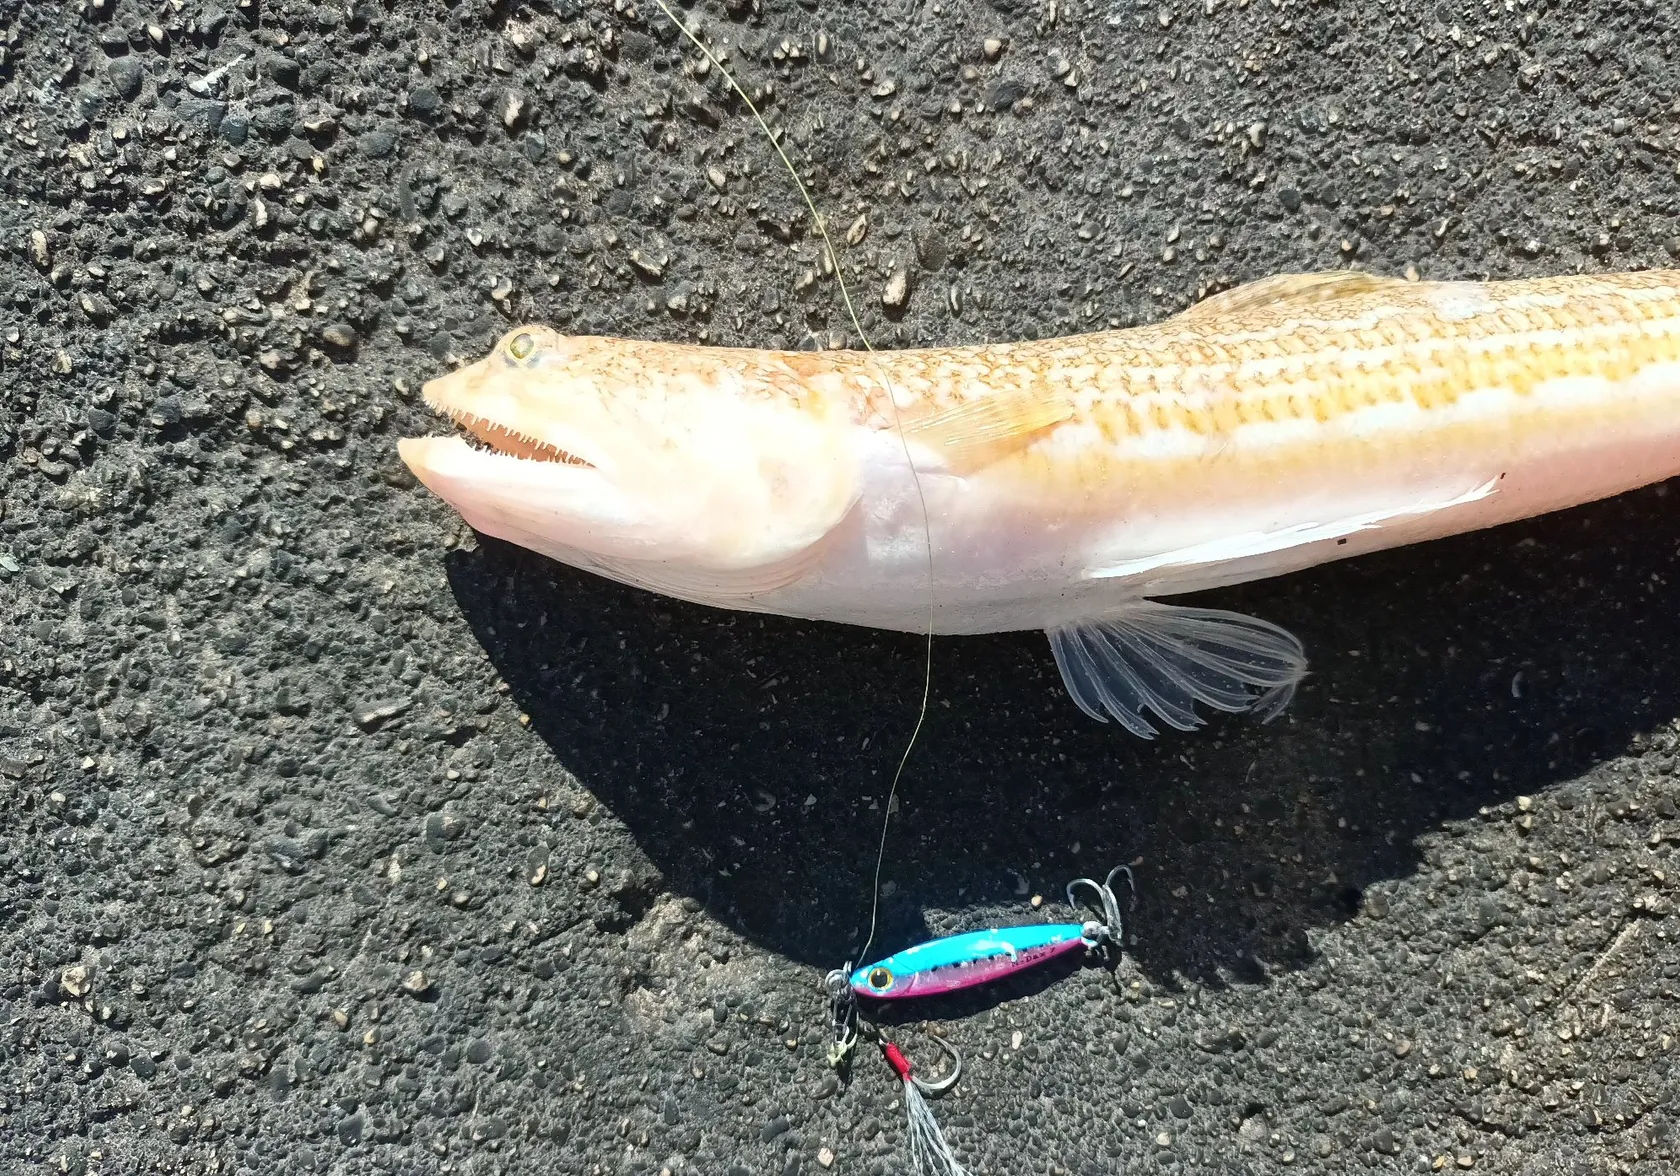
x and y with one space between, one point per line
444 826
373 714
897 290
126 74
340 335
97 307
377 144
423 101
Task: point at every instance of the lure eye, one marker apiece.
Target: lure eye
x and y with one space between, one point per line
521 346
880 979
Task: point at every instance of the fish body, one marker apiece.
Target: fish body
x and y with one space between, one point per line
1066 484
963 961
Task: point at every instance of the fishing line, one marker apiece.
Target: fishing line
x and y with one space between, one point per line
956 961
904 441
929 1153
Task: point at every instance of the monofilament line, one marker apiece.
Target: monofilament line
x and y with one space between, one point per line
898 424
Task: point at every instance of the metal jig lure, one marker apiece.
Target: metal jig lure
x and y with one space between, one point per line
979 957
948 964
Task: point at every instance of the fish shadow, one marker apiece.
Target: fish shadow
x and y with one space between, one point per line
750 757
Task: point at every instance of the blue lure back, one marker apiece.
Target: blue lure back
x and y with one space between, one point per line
963 961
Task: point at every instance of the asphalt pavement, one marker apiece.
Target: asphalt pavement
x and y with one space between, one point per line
337 839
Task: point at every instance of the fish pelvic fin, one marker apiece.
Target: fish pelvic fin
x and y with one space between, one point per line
1165 658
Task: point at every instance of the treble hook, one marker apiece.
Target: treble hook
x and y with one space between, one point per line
1108 931
942 1085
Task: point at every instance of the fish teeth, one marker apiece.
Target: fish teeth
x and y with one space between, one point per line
491 436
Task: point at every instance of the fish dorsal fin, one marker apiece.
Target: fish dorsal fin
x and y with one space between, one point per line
970 436
1291 290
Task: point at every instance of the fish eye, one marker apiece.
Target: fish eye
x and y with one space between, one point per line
521 345
880 979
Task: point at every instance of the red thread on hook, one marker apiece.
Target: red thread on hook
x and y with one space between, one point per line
899 1063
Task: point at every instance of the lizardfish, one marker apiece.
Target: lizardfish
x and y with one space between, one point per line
1065 484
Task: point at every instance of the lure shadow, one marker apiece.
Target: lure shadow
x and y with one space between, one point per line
749 756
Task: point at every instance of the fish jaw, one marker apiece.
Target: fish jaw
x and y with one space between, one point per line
704 473
487 399
556 509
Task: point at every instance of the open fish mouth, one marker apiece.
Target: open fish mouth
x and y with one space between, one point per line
488 436
492 422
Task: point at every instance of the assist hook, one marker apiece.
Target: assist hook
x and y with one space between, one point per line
844 1033
843 1014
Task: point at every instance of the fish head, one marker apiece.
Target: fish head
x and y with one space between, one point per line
702 472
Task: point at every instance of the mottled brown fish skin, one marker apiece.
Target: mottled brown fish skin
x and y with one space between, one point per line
1220 379
1213 372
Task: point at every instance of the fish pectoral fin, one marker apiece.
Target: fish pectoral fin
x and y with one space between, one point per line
1148 656
973 435
1291 290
